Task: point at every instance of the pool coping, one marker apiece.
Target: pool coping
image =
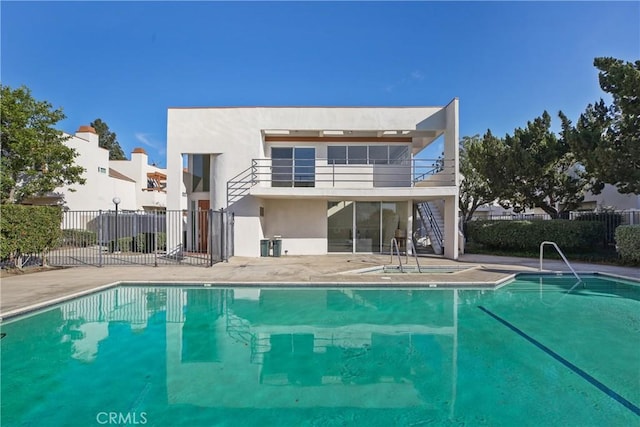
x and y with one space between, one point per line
375 269
23 311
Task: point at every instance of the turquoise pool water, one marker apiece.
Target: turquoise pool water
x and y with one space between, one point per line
535 352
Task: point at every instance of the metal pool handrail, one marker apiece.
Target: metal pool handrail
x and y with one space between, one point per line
414 252
394 243
561 254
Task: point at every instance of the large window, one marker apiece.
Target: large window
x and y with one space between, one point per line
201 172
337 155
366 226
367 154
293 166
340 227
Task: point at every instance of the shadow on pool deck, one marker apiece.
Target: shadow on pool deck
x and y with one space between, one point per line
21 291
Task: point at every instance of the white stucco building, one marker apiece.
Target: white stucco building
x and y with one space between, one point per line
610 198
101 185
324 179
138 185
150 180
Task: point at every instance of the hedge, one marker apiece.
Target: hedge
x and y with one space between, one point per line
26 230
527 235
610 221
125 244
143 242
80 238
628 243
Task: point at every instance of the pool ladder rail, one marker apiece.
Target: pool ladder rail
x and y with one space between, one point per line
410 245
564 258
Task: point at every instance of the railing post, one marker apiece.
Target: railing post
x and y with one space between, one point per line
155 239
210 235
253 172
100 235
222 239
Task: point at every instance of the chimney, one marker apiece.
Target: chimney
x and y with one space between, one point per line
88 134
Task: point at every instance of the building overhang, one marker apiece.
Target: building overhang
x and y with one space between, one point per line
388 193
419 139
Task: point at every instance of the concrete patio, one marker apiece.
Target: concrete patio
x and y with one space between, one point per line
24 292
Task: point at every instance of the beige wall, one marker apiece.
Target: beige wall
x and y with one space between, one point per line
302 225
609 197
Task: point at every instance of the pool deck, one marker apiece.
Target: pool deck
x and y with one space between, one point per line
23 292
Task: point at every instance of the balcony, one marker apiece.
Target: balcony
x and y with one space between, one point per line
319 178
153 198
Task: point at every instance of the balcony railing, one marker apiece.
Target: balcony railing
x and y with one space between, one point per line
324 173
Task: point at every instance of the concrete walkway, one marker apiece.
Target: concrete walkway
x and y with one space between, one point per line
20 293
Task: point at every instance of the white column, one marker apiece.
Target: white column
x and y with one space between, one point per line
451 227
451 154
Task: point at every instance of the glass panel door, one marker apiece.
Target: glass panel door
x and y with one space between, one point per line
340 227
367 226
282 167
304 160
394 225
293 167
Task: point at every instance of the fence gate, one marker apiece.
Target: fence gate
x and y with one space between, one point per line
102 238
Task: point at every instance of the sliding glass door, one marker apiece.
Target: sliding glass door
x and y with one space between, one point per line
368 227
340 227
365 226
293 167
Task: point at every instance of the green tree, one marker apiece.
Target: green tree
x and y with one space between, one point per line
475 190
606 139
108 140
533 168
34 158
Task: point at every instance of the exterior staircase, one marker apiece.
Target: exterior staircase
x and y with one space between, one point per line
433 223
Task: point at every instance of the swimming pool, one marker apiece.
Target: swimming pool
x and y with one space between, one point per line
537 351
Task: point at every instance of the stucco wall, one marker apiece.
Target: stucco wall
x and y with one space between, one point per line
96 193
234 136
235 133
302 226
609 197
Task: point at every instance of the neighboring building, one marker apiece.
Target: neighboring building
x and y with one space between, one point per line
325 180
150 180
139 186
101 183
610 199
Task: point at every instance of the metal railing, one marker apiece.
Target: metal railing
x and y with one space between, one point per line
428 220
609 219
543 244
394 244
328 173
102 238
411 246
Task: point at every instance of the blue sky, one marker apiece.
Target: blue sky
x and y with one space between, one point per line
127 62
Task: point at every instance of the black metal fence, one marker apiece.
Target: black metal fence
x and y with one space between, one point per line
103 238
610 220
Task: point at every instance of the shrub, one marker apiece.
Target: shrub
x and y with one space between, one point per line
162 241
28 230
144 242
125 244
80 238
628 243
527 235
609 220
